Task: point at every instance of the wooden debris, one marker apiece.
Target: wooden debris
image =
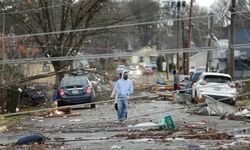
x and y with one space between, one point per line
162 88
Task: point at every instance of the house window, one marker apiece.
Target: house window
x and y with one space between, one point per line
141 59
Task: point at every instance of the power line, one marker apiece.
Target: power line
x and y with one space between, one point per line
112 26
125 54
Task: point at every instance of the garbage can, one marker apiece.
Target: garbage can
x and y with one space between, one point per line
12 100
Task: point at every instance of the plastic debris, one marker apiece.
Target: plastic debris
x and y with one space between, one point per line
192 146
244 112
115 147
3 129
167 122
31 138
75 120
146 125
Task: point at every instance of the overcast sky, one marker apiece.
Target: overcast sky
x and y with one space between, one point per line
205 3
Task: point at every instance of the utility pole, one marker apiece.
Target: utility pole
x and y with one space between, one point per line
231 42
3 53
184 46
178 34
189 35
210 26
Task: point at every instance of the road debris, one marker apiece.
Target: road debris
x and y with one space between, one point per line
158 87
167 122
244 112
191 145
31 138
208 136
115 147
145 126
75 120
61 112
3 129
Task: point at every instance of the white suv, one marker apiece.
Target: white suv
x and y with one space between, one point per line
216 85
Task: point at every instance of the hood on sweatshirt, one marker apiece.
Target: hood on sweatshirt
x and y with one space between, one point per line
123 74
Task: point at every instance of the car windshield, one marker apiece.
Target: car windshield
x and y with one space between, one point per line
217 79
195 76
74 81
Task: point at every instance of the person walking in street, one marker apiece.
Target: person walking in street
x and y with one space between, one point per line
176 80
123 89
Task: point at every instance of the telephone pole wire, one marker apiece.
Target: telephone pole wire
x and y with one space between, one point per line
231 41
189 37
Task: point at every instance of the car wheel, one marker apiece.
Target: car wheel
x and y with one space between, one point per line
59 104
232 102
92 106
192 97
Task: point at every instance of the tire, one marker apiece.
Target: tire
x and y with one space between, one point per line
232 102
192 98
92 106
59 104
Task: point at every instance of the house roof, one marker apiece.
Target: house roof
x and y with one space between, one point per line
148 50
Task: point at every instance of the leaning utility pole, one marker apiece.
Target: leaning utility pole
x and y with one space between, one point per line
189 35
178 34
210 26
231 42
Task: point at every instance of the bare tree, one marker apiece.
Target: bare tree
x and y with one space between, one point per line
60 15
221 8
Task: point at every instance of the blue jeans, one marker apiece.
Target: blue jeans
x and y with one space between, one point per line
122 108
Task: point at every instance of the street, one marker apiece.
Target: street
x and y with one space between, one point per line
97 129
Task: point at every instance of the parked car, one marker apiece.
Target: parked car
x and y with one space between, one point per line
120 68
152 65
184 79
193 78
200 69
215 85
147 71
134 69
76 90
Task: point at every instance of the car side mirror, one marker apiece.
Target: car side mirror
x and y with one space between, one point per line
237 85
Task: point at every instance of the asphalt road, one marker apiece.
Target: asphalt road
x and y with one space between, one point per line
98 129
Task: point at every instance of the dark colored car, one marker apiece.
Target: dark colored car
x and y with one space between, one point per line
193 78
184 79
76 90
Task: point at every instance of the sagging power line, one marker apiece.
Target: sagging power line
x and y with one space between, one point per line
115 26
125 54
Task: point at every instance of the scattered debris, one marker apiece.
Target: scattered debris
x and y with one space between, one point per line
75 120
191 145
214 107
145 135
61 112
157 88
244 112
31 138
3 129
206 111
115 147
145 126
167 122
208 136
